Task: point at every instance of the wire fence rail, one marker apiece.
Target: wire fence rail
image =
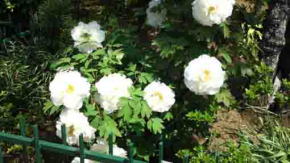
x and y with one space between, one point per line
81 152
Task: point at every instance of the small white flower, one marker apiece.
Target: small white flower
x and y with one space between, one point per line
69 88
110 89
78 160
76 123
204 75
155 18
88 37
102 146
209 12
117 151
159 96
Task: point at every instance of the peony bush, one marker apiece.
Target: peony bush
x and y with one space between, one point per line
162 74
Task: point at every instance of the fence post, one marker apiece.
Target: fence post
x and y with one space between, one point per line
111 144
63 137
1 156
63 134
161 145
82 148
185 159
22 126
130 144
36 144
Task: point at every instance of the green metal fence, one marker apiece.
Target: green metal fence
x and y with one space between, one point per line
81 152
40 145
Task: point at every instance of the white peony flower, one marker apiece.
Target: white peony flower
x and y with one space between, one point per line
209 12
159 96
155 18
204 75
69 88
88 37
76 123
110 89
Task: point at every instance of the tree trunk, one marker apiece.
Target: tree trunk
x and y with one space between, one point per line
274 33
274 40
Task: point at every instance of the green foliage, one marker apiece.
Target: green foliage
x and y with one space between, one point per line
282 97
108 126
143 54
155 125
52 24
225 97
234 154
274 144
261 87
23 84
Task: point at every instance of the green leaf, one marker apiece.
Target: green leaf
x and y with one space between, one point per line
200 116
145 110
108 126
168 116
137 107
80 57
137 120
96 122
226 30
50 108
126 110
145 78
90 110
136 92
155 125
60 62
99 52
225 97
227 57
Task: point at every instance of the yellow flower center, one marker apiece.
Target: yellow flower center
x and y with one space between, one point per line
159 95
86 36
70 89
211 9
206 75
71 130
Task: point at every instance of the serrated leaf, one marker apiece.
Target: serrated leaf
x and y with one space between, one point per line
137 109
168 116
90 110
145 110
136 106
136 92
96 122
108 126
125 111
145 78
155 125
137 120
225 97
